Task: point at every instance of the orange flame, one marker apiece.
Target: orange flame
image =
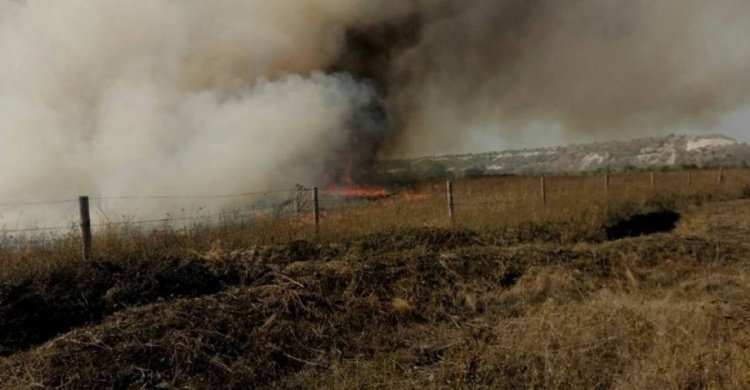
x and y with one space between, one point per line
347 187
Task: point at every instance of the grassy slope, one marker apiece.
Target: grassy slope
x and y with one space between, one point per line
404 308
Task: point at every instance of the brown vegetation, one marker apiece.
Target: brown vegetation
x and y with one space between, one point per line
518 295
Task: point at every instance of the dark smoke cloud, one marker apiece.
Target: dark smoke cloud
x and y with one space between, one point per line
368 54
595 68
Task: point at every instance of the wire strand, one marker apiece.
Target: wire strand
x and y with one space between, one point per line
136 197
39 203
35 230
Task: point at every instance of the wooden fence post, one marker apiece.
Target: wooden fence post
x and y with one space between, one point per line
721 175
316 211
83 205
298 194
606 183
451 204
544 190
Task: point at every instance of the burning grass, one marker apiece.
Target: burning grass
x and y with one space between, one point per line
539 299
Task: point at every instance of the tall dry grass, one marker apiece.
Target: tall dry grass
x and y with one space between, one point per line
576 207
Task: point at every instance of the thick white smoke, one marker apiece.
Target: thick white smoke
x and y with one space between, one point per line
139 97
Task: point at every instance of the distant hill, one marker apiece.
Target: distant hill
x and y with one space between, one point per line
670 152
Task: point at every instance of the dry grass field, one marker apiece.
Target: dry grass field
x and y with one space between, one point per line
514 295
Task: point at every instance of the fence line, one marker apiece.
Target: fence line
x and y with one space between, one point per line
156 197
139 222
43 229
321 204
153 197
72 226
38 203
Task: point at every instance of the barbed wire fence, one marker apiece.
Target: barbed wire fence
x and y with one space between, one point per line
87 215
186 211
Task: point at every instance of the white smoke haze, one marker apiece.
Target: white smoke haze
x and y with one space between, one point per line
150 97
162 97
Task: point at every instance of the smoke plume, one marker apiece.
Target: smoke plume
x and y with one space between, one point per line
594 68
106 97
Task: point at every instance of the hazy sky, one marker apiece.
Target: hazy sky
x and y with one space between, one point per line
735 125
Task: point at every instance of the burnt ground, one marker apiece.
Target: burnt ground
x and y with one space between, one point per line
426 307
644 224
